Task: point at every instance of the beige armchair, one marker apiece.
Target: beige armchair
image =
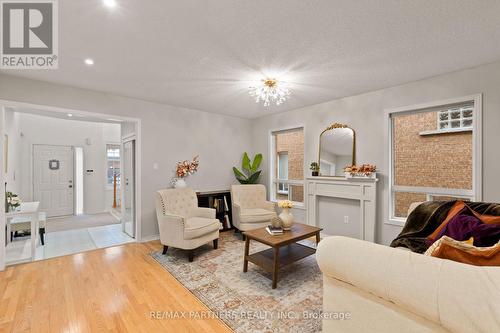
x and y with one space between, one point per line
251 210
182 223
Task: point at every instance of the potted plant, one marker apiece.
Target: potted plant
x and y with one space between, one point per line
250 173
314 168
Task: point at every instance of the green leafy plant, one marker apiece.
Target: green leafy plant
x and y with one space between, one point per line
314 166
250 173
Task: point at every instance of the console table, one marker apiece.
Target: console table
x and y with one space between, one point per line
28 210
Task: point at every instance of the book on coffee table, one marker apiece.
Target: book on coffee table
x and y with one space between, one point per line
274 230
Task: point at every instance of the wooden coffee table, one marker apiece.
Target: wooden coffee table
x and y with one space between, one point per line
284 248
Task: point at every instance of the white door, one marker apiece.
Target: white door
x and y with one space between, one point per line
53 179
128 181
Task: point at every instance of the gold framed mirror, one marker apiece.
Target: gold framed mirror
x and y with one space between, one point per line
337 149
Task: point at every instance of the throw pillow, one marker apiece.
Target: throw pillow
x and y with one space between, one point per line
448 248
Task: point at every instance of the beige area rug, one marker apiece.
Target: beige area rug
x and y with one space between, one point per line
79 222
245 301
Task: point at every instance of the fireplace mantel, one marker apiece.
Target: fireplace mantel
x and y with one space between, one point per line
363 190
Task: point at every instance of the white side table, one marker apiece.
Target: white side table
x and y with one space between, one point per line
29 210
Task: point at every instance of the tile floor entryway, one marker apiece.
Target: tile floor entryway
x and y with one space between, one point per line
64 242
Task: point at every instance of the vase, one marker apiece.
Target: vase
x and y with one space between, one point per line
286 218
315 173
180 183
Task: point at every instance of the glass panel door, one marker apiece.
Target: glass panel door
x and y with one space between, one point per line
128 206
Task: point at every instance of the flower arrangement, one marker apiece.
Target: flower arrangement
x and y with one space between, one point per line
365 170
285 215
186 168
285 204
13 201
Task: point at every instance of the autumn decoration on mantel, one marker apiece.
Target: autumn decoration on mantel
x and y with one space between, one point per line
360 171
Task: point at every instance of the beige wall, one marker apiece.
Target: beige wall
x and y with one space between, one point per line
169 134
366 114
220 140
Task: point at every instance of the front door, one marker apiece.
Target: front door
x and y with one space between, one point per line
53 179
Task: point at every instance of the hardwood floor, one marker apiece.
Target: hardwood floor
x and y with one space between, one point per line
106 290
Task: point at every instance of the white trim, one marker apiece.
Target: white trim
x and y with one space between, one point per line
477 142
446 131
396 221
149 238
132 138
128 137
434 190
288 181
476 192
430 105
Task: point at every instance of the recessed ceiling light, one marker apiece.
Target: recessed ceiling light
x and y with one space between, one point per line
109 3
89 62
70 115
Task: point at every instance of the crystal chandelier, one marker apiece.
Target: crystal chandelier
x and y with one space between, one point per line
270 91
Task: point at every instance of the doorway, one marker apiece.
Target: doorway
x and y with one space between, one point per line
53 179
61 160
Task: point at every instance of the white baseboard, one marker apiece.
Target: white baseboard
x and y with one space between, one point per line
150 238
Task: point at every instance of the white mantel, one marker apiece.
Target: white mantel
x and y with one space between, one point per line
362 189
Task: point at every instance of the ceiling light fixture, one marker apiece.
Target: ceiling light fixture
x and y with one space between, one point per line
89 62
109 3
270 91
70 115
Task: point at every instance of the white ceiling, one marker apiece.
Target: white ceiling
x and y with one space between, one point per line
205 54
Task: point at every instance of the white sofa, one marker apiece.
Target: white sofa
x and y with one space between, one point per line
182 223
391 290
251 210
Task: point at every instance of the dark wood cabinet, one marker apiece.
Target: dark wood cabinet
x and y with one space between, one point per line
221 202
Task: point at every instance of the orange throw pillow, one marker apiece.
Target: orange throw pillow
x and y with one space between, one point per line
448 248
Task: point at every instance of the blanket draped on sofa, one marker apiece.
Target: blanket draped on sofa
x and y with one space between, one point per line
427 217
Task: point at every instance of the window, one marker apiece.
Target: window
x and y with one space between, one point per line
113 163
287 165
283 172
437 165
456 118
